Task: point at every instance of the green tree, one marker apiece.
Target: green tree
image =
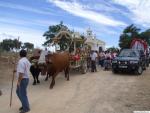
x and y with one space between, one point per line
28 46
1 48
52 32
125 41
10 45
146 36
132 30
128 34
16 44
65 40
7 45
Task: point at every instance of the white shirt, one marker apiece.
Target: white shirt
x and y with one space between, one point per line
108 55
93 56
23 67
102 55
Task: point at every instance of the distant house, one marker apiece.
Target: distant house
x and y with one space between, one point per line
93 42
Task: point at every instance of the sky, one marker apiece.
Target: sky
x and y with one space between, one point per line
29 19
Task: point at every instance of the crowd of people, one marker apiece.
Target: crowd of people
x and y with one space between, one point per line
102 59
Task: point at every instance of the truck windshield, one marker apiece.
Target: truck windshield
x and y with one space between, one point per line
128 53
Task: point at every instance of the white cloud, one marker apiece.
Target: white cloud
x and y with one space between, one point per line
25 34
79 10
76 28
13 21
104 6
139 10
102 29
45 23
25 8
42 23
9 31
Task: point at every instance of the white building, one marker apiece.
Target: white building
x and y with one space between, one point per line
93 42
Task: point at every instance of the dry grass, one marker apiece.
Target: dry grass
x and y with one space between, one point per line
6 67
7 62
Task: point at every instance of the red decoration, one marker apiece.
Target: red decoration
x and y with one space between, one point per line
144 43
76 57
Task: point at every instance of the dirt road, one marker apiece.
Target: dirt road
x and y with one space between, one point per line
101 92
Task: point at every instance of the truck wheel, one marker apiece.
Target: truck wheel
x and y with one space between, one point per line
139 71
144 68
114 71
147 64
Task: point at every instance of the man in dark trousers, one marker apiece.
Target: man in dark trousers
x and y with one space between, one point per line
93 61
23 67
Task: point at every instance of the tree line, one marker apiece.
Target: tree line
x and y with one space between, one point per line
128 34
125 39
11 45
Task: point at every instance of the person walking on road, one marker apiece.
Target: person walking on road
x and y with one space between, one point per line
93 61
23 67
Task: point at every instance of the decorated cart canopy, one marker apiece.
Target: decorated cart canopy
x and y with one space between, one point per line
76 46
139 44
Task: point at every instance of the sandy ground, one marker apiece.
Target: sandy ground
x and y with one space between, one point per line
101 92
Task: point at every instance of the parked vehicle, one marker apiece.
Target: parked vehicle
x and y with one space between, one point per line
131 60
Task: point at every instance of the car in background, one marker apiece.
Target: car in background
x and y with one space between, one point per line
131 60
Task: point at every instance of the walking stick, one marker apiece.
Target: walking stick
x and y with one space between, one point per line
12 87
12 84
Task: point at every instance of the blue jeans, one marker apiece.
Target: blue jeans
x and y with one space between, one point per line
22 94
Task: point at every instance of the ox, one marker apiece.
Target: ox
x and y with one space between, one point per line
57 62
35 71
35 68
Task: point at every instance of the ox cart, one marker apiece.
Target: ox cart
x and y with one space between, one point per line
78 55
